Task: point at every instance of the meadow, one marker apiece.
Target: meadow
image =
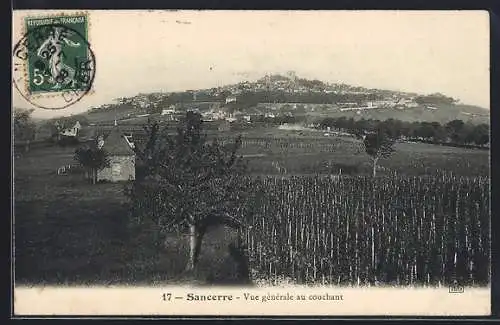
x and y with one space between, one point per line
308 228
346 156
67 231
271 151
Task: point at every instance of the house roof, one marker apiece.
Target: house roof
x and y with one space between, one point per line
116 144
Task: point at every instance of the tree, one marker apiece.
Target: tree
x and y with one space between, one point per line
24 127
196 183
436 98
481 134
93 160
350 125
425 131
439 134
55 131
406 129
378 145
455 130
468 133
394 127
361 126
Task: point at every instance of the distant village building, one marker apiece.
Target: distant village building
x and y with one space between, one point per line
168 111
230 99
130 142
410 103
193 109
72 131
121 157
215 106
291 127
169 117
207 116
219 115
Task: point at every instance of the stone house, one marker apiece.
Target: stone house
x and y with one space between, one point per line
121 157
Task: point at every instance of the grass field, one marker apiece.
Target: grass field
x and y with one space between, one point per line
68 231
346 156
281 152
272 151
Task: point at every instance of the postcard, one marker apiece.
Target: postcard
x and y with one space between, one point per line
251 163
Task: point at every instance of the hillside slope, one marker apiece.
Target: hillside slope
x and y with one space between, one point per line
315 99
441 113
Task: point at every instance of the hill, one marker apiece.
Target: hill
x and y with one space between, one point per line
289 95
441 113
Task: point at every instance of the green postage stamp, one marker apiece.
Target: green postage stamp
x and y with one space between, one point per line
55 60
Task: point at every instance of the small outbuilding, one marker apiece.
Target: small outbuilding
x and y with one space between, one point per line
121 157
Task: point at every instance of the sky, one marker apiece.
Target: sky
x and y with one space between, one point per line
150 51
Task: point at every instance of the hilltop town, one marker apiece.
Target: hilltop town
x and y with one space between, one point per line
275 96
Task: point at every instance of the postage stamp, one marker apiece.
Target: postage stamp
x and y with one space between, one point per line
54 66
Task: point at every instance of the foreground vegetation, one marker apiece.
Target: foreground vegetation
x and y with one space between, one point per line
361 230
393 229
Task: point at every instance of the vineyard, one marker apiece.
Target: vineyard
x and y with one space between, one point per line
365 231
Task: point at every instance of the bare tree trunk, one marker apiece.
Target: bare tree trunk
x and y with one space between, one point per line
375 166
192 248
195 239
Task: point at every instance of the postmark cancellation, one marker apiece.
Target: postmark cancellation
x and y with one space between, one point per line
54 66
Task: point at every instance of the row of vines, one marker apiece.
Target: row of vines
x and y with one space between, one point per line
365 231
283 144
